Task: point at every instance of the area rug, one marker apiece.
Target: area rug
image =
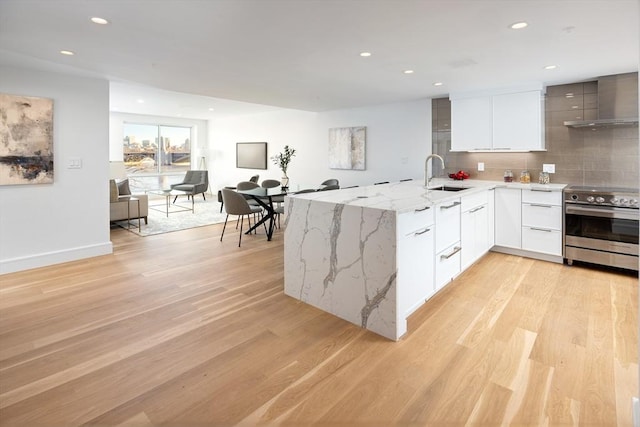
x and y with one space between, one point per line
206 213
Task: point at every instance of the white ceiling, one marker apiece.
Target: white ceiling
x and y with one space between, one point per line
304 54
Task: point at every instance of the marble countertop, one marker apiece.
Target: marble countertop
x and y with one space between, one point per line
406 196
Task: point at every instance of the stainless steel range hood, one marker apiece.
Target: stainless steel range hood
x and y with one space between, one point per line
617 103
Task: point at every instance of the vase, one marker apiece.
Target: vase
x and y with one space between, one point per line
285 182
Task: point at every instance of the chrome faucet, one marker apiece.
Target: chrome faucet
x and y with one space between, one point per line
427 178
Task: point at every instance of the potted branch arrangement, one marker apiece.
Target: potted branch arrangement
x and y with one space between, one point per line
282 160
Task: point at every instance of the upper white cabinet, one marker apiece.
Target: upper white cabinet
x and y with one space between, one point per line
471 124
511 121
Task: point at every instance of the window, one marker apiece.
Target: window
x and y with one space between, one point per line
156 149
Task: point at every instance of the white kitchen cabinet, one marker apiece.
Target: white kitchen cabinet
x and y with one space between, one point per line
511 121
508 217
471 124
474 226
447 263
491 218
517 121
447 224
415 269
542 221
447 242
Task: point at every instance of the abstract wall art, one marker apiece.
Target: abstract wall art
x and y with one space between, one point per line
26 140
347 148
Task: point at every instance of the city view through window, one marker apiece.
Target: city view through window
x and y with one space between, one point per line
156 150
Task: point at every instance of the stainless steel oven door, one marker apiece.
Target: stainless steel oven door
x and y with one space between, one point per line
602 235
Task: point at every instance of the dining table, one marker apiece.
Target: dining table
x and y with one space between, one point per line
265 197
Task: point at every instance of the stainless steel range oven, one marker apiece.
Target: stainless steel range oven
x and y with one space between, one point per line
601 226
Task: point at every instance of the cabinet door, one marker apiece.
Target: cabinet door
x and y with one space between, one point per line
471 124
508 218
474 238
447 224
491 225
447 265
517 121
415 269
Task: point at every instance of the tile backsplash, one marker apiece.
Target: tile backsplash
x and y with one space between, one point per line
583 156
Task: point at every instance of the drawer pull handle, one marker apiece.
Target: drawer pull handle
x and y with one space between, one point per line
455 251
477 209
418 233
454 204
540 206
423 209
546 230
541 189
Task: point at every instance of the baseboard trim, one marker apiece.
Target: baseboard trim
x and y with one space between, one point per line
13 265
528 254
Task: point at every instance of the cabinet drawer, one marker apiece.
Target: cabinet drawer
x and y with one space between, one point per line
447 224
447 264
542 197
542 240
416 220
473 201
542 216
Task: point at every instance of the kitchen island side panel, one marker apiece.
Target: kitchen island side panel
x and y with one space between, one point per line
342 259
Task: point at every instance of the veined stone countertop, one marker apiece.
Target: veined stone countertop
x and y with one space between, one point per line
406 196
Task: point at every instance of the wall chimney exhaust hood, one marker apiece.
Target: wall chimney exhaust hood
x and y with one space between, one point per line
617 103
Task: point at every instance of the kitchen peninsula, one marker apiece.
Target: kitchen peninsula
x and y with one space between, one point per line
373 255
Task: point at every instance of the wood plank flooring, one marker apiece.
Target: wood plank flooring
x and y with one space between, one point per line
183 330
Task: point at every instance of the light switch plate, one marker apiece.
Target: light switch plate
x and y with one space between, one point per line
74 163
549 167
480 166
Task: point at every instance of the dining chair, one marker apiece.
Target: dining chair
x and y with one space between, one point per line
331 181
270 183
236 204
329 187
383 182
407 179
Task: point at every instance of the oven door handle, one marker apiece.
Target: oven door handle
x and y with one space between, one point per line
603 212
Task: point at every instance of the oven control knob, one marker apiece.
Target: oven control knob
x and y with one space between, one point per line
574 197
590 199
623 202
600 199
615 201
633 202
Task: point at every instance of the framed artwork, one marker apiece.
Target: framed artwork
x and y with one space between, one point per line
347 148
26 140
251 155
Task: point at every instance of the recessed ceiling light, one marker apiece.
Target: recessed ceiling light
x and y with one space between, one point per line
140 101
408 71
518 25
99 21
437 84
550 67
210 109
67 52
365 54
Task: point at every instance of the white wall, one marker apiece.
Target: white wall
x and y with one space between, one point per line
398 140
69 219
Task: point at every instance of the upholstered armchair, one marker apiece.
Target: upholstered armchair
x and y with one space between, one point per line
194 182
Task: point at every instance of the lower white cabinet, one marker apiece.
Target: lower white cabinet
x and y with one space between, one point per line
508 217
474 240
542 221
415 269
543 240
447 245
447 265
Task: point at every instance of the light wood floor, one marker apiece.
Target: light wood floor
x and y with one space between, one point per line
182 330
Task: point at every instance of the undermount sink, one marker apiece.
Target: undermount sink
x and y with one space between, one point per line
447 188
